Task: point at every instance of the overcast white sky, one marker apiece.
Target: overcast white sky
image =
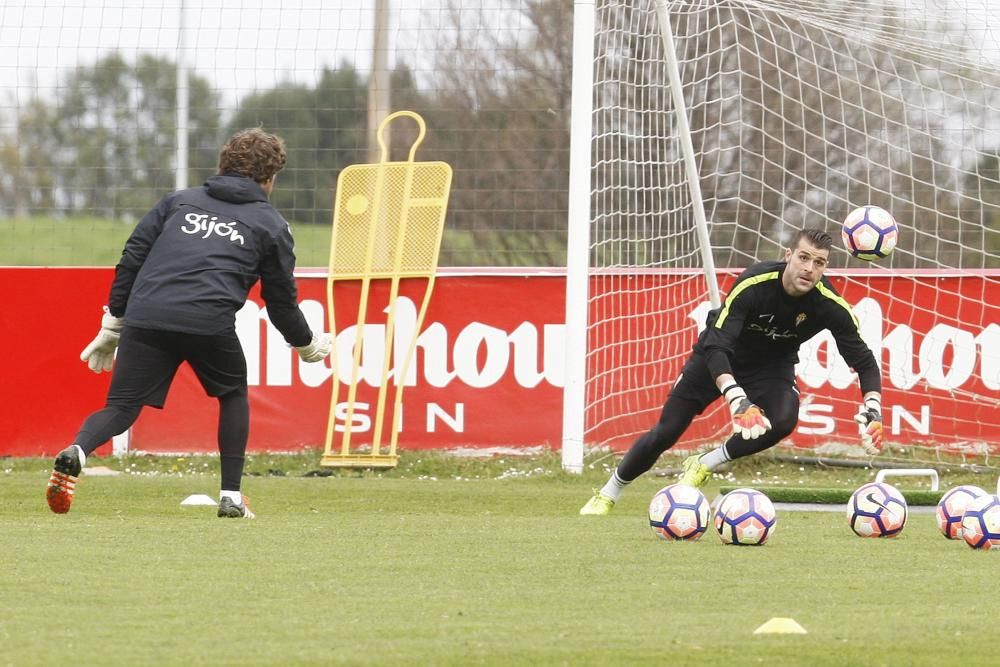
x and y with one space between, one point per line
242 45
239 44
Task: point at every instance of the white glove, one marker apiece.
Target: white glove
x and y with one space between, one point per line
317 349
100 354
869 420
748 419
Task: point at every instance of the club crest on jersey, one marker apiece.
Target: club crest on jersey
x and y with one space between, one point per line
800 318
200 222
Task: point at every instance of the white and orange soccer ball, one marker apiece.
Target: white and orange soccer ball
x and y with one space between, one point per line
877 509
951 508
981 523
679 512
745 517
870 233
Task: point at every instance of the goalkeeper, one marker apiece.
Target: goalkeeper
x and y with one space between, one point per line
746 355
184 272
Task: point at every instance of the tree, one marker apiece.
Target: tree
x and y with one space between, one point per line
324 131
109 139
27 162
501 114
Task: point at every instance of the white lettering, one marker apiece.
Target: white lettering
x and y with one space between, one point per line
467 345
815 373
900 345
869 314
360 422
989 348
906 365
480 355
370 354
455 422
818 419
899 414
932 354
434 344
404 332
818 415
200 222
525 340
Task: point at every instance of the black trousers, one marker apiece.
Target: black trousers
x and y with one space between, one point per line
771 386
144 369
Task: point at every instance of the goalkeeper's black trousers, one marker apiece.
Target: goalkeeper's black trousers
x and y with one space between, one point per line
144 369
771 386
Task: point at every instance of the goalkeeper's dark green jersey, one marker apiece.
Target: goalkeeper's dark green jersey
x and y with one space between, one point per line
760 324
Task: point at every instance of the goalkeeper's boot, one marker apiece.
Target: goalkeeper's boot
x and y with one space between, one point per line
62 481
599 505
695 472
230 510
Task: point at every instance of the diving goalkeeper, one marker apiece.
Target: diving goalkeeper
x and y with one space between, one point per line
746 355
184 273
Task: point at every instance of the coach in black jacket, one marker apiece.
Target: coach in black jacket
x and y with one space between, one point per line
184 273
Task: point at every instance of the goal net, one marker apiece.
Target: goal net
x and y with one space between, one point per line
796 112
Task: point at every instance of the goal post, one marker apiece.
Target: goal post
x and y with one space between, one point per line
714 132
683 132
578 238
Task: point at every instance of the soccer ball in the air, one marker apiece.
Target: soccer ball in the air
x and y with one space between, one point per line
870 233
981 523
745 517
877 509
679 512
951 508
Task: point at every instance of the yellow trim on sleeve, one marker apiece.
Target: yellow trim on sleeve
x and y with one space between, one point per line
749 282
836 298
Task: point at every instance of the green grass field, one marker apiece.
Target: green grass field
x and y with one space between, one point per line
41 241
44 241
457 562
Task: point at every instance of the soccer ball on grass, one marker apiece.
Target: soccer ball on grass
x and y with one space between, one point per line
745 517
981 523
951 508
877 509
679 512
870 233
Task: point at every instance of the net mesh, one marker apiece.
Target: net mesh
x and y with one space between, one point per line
799 112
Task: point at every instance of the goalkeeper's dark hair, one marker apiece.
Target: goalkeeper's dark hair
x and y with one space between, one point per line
253 153
816 237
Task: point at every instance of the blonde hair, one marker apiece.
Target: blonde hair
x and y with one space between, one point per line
253 153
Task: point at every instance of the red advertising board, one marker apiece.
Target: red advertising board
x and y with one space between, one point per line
937 334
489 364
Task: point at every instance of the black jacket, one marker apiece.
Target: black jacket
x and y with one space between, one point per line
760 324
191 261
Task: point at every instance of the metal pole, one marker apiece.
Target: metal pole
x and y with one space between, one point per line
379 92
684 135
181 162
578 237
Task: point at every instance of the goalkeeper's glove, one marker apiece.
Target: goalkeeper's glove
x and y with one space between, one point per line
869 420
100 354
748 419
317 349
